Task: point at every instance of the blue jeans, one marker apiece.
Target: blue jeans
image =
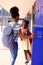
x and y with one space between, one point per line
13 52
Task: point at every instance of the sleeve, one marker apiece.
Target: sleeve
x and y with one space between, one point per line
18 27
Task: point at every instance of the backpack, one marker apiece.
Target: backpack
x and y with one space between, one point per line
7 37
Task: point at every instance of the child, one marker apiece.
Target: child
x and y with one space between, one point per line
27 40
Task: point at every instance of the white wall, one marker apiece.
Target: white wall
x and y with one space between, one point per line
24 5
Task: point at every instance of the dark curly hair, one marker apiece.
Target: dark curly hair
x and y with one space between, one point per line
26 22
14 11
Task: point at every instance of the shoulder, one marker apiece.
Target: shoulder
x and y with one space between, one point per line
29 32
12 24
18 26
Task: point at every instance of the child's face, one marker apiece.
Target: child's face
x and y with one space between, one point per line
24 25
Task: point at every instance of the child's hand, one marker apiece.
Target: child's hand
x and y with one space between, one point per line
33 35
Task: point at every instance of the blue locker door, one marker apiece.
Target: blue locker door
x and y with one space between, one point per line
37 52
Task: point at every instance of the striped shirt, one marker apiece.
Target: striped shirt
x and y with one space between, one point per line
15 27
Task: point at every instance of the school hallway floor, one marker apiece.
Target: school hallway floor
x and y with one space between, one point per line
5 55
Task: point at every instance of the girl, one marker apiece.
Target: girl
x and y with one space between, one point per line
27 40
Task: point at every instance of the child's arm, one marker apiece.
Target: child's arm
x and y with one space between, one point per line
31 36
23 37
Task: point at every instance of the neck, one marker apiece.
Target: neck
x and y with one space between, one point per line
14 20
